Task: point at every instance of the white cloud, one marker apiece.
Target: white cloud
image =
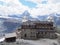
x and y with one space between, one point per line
45 9
12 7
49 1
54 1
15 7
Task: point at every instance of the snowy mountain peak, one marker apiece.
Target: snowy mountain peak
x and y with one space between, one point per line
26 13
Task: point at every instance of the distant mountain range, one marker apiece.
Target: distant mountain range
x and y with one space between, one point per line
10 24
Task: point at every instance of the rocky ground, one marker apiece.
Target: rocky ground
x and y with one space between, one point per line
33 42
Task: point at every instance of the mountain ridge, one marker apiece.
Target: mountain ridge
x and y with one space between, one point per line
15 21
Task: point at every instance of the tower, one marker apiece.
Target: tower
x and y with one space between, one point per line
24 19
50 19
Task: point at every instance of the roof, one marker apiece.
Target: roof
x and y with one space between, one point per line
8 35
33 22
28 23
57 34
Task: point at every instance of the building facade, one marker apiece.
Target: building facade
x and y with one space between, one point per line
37 29
10 37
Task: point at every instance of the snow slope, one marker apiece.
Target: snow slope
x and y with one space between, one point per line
33 42
39 42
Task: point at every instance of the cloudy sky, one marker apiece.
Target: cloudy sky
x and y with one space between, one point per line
34 7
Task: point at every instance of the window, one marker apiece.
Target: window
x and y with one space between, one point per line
18 29
25 35
51 28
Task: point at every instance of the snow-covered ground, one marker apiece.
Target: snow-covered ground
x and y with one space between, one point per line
34 42
39 42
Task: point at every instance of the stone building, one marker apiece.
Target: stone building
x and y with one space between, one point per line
37 29
10 37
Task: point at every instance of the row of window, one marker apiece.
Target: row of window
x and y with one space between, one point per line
37 27
45 24
39 33
43 33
